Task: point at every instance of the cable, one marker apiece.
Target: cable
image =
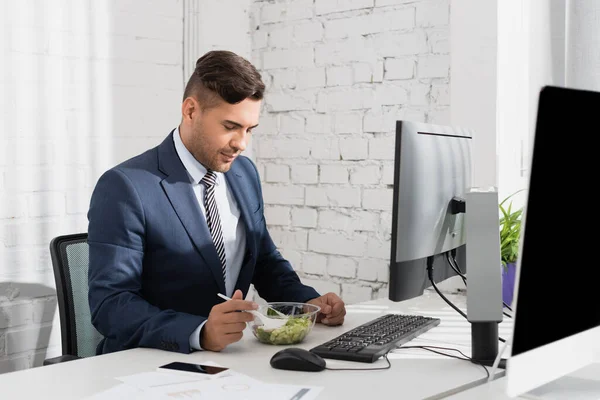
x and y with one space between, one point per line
365 369
430 274
431 348
453 254
507 306
463 277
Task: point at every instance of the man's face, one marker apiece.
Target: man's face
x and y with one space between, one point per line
219 134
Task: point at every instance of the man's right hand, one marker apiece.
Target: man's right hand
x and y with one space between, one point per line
225 324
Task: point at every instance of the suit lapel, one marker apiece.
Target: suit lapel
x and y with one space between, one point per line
239 188
178 189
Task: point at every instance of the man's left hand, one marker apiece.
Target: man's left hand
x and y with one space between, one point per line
333 309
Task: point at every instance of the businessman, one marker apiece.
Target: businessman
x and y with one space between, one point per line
175 226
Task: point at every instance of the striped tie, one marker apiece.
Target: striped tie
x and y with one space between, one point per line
212 216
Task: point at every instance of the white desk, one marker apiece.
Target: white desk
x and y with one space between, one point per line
415 375
496 390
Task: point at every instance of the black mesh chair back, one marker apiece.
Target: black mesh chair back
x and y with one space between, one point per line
70 260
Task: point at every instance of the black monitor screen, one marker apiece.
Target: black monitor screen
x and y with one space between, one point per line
557 295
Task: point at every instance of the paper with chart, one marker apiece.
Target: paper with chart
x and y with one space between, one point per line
227 385
235 387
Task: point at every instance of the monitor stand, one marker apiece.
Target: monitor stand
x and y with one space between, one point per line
583 384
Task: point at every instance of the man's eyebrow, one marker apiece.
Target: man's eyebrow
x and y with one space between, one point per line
238 124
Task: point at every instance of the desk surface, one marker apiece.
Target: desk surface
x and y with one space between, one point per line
415 374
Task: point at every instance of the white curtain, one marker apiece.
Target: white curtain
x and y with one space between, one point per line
540 42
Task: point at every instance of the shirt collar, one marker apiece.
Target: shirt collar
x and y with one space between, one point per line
194 168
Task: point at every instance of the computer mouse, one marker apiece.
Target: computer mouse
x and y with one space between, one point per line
296 359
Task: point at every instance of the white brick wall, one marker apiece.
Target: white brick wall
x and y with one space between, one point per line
84 95
339 74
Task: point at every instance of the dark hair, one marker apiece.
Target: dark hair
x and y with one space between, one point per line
231 77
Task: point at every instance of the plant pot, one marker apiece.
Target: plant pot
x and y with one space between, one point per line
508 282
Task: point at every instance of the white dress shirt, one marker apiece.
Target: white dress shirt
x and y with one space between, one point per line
232 227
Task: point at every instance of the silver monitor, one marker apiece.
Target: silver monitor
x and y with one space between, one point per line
432 175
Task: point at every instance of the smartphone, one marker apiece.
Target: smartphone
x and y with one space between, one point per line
192 368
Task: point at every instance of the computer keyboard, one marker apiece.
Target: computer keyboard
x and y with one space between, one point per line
373 339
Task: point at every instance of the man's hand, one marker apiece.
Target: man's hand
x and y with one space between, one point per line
332 309
225 324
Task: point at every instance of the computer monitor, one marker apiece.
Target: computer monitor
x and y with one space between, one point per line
432 174
435 212
557 308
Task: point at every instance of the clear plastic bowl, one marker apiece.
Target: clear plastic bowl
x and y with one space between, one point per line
300 318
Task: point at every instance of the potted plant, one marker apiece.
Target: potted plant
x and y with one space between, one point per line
510 232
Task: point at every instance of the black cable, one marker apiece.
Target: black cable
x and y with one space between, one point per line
430 274
507 306
365 369
431 348
463 277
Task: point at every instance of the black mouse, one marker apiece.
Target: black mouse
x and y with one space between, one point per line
296 359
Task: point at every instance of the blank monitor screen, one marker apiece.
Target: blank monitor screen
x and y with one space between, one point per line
557 294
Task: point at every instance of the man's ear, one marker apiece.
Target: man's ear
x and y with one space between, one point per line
189 108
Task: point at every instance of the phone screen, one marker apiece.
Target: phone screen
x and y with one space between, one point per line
187 367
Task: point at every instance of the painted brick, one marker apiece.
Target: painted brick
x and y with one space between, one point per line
319 123
334 243
332 197
399 68
21 340
292 124
314 263
433 13
290 101
277 215
378 248
373 270
354 149
438 41
300 57
332 6
340 76
403 19
305 174
296 240
398 44
377 199
277 173
333 174
323 286
308 32
282 148
419 94
348 122
346 99
325 149
365 175
433 66
307 78
343 267
285 195
382 148
304 217
348 220
353 293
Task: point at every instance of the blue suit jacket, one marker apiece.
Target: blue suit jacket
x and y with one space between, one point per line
154 272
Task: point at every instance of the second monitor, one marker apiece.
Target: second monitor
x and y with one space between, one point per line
432 175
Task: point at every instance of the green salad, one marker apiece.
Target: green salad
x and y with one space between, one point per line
294 331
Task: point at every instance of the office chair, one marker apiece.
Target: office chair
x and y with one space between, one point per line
70 262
